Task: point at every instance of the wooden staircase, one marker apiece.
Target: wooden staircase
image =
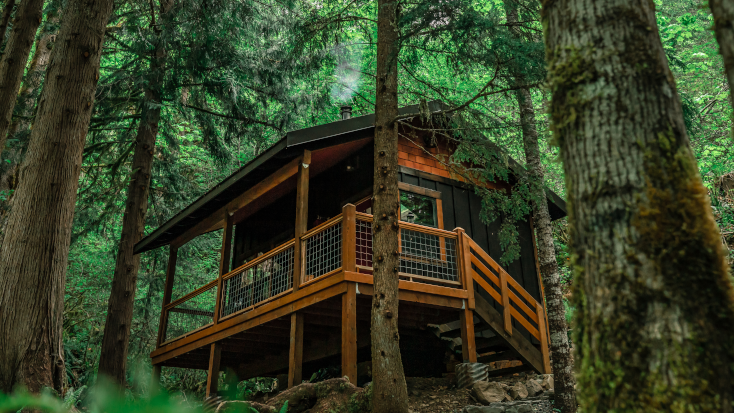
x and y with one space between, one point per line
508 323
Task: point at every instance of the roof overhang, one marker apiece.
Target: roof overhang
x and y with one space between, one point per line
284 151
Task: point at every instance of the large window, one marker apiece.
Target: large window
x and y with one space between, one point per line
418 209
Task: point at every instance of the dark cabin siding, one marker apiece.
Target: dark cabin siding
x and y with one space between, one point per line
462 208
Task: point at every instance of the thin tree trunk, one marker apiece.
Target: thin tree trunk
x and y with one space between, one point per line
562 363
34 252
5 19
654 301
116 339
723 11
27 19
389 392
26 102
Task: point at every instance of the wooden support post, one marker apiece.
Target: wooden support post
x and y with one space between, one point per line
167 292
464 247
212 378
301 218
542 332
349 238
224 261
295 358
349 333
505 302
468 341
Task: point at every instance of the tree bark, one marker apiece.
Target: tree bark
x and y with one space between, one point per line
390 393
34 253
116 339
5 19
723 12
562 363
27 19
26 102
654 301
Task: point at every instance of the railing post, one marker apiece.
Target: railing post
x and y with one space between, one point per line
349 238
224 261
167 292
301 218
467 281
505 301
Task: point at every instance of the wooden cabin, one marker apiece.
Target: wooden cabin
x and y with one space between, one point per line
295 280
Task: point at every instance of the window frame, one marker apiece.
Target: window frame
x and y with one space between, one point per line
430 193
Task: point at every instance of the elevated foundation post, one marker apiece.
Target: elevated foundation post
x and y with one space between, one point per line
295 355
349 333
468 342
212 378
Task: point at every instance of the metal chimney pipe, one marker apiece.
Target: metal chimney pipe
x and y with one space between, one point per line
346 112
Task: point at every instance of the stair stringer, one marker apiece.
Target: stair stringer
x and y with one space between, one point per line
529 355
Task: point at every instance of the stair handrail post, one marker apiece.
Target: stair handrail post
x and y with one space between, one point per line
349 238
467 281
505 301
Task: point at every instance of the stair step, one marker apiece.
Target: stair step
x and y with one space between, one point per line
497 356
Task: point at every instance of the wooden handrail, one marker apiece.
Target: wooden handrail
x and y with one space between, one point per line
321 227
413 227
506 290
252 263
206 287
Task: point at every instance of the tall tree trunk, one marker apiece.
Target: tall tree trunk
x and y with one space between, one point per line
34 252
723 11
654 301
562 363
390 393
27 19
115 343
5 19
26 103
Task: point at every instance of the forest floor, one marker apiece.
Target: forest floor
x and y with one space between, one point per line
440 395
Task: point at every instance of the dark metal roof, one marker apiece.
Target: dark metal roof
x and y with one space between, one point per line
284 151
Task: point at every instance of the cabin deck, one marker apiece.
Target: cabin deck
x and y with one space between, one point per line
306 304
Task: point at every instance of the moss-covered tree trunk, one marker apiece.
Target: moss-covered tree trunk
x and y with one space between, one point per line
562 363
5 19
390 393
12 65
35 247
723 11
116 339
25 104
653 296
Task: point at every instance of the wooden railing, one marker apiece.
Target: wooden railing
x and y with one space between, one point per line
517 304
344 243
426 254
190 313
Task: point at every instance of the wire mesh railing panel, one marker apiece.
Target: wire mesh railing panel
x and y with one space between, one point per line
191 314
427 255
364 244
323 252
258 283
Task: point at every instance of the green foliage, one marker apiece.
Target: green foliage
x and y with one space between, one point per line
240 74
